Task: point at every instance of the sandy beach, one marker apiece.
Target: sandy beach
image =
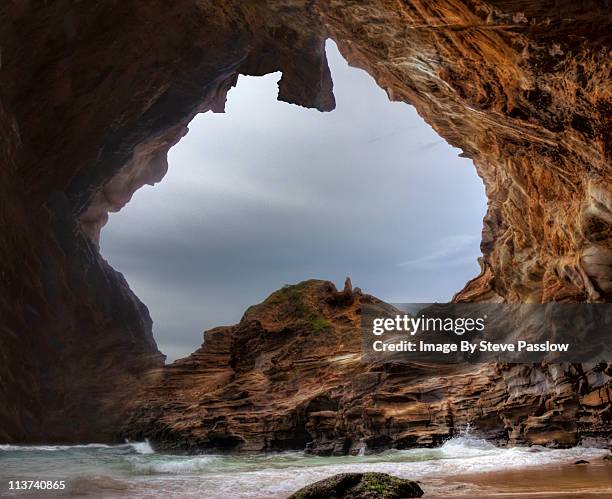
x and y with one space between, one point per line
462 467
586 481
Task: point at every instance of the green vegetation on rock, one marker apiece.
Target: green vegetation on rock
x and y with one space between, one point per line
360 486
292 296
318 323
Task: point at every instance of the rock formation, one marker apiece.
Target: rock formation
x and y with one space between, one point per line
291 375
93 94
360 486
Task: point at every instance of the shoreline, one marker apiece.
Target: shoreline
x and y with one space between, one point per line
465 467
554 481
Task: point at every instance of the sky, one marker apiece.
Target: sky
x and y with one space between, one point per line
271 193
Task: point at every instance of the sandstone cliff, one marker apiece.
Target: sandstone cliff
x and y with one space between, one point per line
93 94
290 375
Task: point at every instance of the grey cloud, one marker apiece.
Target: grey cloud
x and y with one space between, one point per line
450 251
271 193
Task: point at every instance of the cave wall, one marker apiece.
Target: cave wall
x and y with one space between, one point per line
82 86
523 88
92 95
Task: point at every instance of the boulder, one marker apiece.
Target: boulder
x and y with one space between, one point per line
360 486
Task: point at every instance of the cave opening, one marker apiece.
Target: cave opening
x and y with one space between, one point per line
270 193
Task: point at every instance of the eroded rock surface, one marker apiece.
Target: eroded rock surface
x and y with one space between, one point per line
290 376
360 486
93 94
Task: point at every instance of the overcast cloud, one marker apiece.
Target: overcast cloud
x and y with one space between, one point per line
271 193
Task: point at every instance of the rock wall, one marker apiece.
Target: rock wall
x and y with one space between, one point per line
524 90
92 95
290 375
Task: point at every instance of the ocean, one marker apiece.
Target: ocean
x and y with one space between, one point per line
135 470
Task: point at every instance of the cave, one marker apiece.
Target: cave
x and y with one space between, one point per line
91 102
268 193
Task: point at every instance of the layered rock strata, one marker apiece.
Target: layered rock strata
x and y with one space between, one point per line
291 375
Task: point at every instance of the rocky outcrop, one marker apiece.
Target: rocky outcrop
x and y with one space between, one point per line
360 486
92 95
291 375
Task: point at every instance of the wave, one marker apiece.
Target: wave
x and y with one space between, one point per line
142 447
49 448
175 465
137 447
465 445
275 474
468 454
459 455
463 455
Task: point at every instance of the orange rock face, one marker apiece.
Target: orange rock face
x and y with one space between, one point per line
93 94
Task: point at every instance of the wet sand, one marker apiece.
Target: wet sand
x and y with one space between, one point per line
585 481
463 467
